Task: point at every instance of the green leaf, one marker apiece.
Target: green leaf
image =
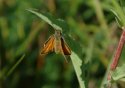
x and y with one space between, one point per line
77 63
119 73
118 9
117 18
57 24
122 79
122 4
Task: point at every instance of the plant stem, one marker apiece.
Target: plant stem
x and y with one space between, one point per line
118 51
17 63
114 61
116 56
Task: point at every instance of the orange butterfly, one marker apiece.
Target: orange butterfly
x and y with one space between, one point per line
56 43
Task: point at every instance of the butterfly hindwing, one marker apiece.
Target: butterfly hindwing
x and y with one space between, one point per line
65 47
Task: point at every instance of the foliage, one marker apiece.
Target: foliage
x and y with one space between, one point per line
77 63
92 34
119 73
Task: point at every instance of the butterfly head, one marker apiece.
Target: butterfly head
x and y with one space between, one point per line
58 33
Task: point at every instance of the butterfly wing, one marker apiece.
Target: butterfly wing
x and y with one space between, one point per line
49 45
65 47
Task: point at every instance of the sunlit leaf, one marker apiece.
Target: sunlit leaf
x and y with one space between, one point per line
117 18
117 9
119 73
57 24
77 63
122 79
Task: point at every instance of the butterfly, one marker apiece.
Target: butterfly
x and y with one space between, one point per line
56 43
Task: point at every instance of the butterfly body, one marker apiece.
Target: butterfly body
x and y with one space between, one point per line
57 43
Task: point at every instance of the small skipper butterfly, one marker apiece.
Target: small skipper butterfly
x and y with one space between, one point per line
56 43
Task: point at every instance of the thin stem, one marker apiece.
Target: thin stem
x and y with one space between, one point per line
114 61
17 63
116 56
118 51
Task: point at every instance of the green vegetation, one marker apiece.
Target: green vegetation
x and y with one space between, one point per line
91 28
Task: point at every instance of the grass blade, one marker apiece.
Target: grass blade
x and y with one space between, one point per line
14 67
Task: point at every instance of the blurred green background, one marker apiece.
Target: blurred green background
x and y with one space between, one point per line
92 28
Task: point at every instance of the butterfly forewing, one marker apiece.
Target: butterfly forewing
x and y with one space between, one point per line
49 45
65 47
